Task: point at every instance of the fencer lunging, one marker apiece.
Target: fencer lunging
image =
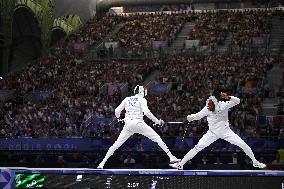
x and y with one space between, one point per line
136 107
217 118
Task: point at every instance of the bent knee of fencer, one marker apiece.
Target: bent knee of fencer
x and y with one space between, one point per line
156 139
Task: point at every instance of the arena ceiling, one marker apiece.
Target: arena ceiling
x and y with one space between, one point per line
83 8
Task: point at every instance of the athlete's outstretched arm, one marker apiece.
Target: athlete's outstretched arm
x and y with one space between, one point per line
204 112
119 109
148 113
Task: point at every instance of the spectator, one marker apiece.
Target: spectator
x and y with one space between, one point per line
204 160
129 161
234 158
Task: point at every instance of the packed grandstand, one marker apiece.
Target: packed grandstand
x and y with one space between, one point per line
72 91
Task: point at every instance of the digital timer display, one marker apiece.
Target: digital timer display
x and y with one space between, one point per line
146 181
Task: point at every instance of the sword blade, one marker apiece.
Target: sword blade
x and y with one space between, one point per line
175 122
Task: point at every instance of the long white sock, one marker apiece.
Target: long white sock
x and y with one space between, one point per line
188 156
108 154
165 148
248 152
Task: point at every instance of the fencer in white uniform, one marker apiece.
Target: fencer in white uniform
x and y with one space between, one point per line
217 118
136 107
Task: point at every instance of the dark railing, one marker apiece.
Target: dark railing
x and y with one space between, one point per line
258 144
144 159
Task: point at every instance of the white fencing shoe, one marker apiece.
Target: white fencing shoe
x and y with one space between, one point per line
101 166
176 166
259 165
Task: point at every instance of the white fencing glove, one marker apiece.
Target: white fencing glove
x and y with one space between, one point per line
190 118
160 123
117 116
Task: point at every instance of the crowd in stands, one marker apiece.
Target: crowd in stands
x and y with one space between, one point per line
77 89
250 24
212 28
209 28
95 30
75 86
190 89
140 30
76 92
279 93
155 8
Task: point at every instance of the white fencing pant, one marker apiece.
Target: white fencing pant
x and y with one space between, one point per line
136 126
211 137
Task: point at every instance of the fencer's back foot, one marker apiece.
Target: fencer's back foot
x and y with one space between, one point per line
258 164
176 166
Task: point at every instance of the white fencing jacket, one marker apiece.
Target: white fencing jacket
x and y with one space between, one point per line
136 107
218 120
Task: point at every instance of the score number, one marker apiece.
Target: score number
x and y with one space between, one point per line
132 185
